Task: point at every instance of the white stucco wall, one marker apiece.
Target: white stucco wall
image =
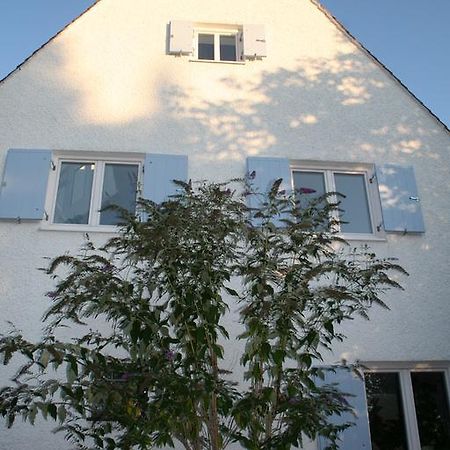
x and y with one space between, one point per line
107 84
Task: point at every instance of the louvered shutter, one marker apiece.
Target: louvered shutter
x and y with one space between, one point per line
159 173
24 184
400 200
356 437
181 35
254 41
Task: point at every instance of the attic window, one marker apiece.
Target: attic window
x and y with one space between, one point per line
217 42
217 45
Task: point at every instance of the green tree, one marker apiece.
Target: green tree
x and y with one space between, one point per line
164 287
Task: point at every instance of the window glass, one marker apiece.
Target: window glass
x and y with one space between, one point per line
432 410
308 186
227 48
206 46
355 207
386 417
73 199
119 189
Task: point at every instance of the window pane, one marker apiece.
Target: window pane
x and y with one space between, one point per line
228 48
308 186
206 46
119 189
386 418
73 199
355 206
432 409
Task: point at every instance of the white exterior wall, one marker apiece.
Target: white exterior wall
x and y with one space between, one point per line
107 84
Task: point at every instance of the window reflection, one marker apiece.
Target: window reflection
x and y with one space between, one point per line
309 186
355 208
119 189
73 199
386 417
227 48
432 410
206 46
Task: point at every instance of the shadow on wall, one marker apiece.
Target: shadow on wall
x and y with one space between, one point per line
342 105
339 108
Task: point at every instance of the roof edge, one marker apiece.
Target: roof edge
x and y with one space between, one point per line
48 41
358 44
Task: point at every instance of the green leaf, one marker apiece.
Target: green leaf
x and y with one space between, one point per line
43 408
71 376
306 359
98 441
52 410
67 392
278 356
329 327
264 350
32 414
312 338
135 331
62 413
232 292
111 443
7 355
218 350
10 420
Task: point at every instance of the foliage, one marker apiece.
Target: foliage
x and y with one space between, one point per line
159 295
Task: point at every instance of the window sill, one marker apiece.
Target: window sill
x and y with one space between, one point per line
111 229
363 237
209 61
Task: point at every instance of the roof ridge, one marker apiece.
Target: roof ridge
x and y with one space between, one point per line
358 44
49 40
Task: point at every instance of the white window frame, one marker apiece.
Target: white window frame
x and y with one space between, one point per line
100 160
372 192
406 390
217 31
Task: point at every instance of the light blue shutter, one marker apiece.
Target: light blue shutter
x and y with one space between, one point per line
159 173
400 201
356 437
263 172
181 37
254 45
267 170
24 184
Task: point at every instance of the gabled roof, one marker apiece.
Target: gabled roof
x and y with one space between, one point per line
321 8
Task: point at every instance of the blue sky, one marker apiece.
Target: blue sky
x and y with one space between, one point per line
27 24
411 37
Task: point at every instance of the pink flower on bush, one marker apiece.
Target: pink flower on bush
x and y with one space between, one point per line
305 190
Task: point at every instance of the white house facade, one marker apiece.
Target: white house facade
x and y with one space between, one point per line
133 94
